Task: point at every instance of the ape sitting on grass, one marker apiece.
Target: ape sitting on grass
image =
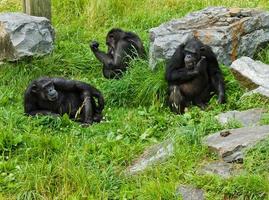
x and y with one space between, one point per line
193 74
122 47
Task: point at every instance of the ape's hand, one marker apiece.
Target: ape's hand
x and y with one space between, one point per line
94 45
201 65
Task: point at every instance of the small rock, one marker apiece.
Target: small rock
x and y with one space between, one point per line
246 118
223 169
235 12
190 193
152 155
24 35
225 133
231 148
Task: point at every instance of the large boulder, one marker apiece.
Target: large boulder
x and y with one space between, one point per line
24 35
231 32
252 74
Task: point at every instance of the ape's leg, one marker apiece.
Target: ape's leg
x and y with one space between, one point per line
97 114
87 109
176 100
218 85
202 99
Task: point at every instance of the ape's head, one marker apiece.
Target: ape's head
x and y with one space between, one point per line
193 51
113 36
44 89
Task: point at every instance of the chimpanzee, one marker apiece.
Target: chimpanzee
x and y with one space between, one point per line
57 96
122 47
193 74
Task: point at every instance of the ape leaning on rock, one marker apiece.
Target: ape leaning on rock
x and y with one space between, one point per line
193 76
122 47
57 96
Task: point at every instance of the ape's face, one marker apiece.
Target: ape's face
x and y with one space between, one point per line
191 59
192 53
45 90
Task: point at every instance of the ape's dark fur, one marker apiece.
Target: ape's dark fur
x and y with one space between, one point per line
192 74
122 46
57 96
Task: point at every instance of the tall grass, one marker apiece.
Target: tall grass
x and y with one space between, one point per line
139 86
150 12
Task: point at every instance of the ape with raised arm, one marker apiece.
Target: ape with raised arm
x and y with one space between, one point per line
193 74
122 47
57 96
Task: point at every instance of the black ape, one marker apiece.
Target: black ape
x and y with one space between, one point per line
193 74
57 96
122 47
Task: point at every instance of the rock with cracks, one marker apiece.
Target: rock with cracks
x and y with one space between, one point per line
231 32
252 74
249 117
230 144
23 35
151 156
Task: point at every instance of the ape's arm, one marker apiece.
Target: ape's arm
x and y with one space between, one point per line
215 74
176 73
115 60
30 107
114 64
86 90
180 75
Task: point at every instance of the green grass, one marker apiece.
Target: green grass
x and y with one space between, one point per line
56 158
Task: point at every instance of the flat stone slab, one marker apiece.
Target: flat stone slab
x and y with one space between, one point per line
220 168
190 193
24 35
154 154
246 118
230 144
231 32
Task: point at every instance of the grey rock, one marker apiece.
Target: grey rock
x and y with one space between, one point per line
252 74
154 154
246 118
23 35
260 90
231 33
220 168
190 193
230 147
